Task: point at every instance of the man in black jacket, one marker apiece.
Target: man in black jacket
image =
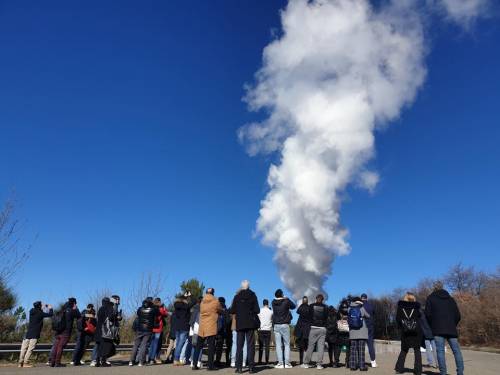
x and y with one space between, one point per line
143 326
318 312
246 309
35 325
281 320
70 313
180 323
443 315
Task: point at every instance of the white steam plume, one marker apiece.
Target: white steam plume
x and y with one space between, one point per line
340 69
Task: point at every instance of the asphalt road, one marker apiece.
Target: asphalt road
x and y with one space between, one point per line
476 363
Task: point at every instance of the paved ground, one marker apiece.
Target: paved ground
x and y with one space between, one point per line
476 363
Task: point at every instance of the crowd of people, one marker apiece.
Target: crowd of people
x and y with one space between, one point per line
231 331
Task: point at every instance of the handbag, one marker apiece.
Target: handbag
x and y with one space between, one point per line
342 325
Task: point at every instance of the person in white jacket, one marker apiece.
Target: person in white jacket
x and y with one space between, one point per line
266 326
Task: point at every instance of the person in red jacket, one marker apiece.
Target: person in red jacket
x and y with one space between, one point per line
154 353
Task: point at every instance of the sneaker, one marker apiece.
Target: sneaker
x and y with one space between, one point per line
47 364
20 364
82 363
233 365
279 365
304 365
108 363
131 363
140 364
319 367
28 365
288 365
72 363
157 362
200 365
374 364
93 364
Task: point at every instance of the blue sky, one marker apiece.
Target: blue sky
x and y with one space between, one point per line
118 133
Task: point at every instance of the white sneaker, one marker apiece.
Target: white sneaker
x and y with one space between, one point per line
279 365
140 364
108 363
82 362
374 364
200 365
72 363
131 363
319 367
288 365
92 364
233 365
304 365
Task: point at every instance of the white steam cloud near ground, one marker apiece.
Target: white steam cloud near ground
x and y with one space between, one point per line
339 70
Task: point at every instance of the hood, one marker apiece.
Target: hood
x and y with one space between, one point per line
246 293
279 301
208 298
441 293
356 303
409 305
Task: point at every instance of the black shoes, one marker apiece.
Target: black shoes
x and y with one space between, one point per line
252 370
238 371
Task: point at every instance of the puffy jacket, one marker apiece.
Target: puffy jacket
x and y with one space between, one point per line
281 310
319 314
162 313
246 308
442 313
146 316
181 315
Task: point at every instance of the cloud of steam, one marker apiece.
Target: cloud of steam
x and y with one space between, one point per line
340 69
463 12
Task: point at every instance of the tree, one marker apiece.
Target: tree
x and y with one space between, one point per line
150 285
460 279
12 252
8 321
194 286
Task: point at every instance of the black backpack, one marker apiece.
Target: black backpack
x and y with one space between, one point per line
59 321
409 323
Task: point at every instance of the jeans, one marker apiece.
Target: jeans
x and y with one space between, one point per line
316 335
26 349
180 339
264 341
430 352
455 348
82 342
282 332
95 351
370 343
153 347
233 350
140 347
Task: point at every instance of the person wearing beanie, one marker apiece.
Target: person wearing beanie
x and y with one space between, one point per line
35 325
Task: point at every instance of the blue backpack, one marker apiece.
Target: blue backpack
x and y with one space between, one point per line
355 319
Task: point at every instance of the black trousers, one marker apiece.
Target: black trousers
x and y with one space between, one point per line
83 341
400 364
219 348
249 335
302 344
264 342
210 340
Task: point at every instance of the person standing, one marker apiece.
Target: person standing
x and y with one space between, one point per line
209 314
282 318
223 335
157 331
408 319
246 309
332 334
342 334
180 324
144 323
370 323
358 334
302 328
35 325
318 312
429 343
106 334
443 315
266 326
63 327
86 327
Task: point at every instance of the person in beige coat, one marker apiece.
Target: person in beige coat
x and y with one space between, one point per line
209 316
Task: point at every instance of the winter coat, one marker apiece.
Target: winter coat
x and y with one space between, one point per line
412 339
266 319
35 324
209 314
319 314
370 309
281 310
88 317
181 315
162 314
105 312
342 337
303 326
331 327
360 333
246 308
146 317
442 313
70 314
426 328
